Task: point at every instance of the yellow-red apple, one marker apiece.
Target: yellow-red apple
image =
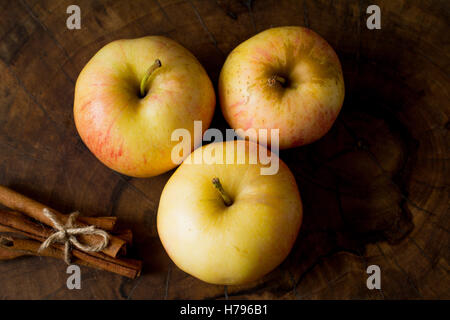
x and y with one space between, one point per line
225 223
286 78
132 95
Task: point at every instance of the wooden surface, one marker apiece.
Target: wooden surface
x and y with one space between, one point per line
375 188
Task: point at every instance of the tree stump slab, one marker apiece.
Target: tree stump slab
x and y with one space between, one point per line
375 188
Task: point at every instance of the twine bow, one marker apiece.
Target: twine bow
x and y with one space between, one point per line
67 234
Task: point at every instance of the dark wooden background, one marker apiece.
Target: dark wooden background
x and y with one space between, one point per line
375 188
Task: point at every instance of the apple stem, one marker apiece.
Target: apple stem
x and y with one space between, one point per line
273 80
149 72
226 198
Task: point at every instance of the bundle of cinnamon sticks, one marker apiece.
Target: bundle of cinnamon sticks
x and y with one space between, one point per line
24 226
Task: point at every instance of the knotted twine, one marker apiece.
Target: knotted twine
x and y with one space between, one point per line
67 234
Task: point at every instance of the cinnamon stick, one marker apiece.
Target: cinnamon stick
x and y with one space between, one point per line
15 222
105 223
125 234
19 247
34 209
6 254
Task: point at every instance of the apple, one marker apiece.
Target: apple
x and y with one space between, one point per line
226 223
286 78
132 95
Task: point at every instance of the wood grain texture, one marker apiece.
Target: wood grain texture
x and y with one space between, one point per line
375 188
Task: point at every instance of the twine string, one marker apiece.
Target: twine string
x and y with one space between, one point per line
67 234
